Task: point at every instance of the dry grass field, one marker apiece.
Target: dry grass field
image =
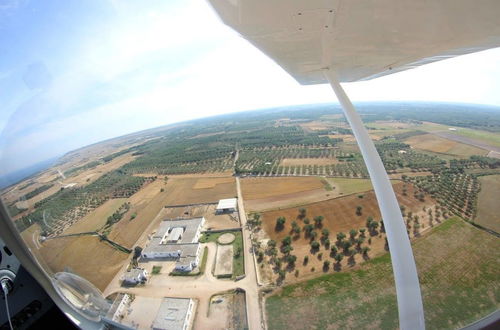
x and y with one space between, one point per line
205 183
308 161
199 190
347 186
145 205
431 142
466 150
434 143
258 188
458 270
86 256
262 194
97 218
488 214
339 216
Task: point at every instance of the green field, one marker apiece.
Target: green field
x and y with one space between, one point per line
488 214
458 270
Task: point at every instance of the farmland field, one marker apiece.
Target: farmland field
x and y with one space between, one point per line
339 215
488 215
345 186
145 205
97 218
261 194
258 188
199 190
86 256
458 270
431 142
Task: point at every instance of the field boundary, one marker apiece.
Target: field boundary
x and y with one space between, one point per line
186 205
101 238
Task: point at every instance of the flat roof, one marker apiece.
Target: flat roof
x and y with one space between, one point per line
190 226
133 274
186 249
172 313
229 203
175 234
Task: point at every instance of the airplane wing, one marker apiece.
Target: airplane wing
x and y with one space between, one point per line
362 39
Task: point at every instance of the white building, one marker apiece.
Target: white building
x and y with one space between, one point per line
135 276
178 240
174 314
228 205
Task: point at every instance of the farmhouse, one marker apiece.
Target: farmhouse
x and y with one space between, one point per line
174 314
226 206
135 276
177 239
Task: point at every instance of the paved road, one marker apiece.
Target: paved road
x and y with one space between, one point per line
203 287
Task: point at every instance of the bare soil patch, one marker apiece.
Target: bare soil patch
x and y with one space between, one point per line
226 238
224 260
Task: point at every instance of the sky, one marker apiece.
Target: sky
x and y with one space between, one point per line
74 73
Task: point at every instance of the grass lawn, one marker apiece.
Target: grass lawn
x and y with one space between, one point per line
458 270
156 270
238 259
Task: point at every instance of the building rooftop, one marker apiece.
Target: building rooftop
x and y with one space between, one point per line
186 249
132 274
229 203
172 313
175 234
191 227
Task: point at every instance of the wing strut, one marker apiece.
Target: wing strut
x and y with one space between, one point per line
411 312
